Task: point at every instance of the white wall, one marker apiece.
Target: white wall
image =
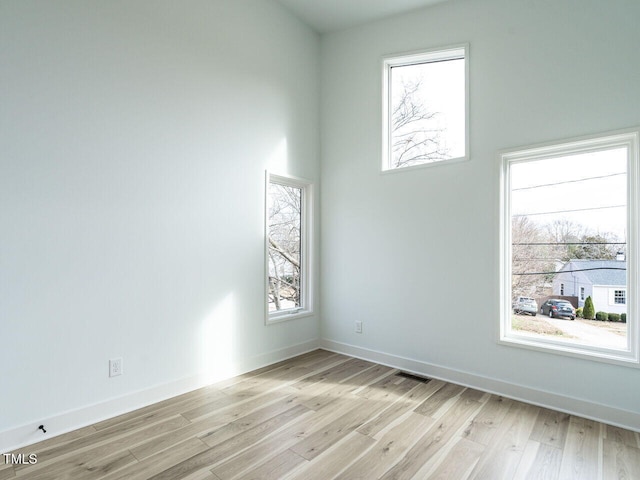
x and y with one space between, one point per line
134 137
603 300
414 254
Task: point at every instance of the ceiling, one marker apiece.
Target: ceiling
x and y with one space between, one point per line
329 15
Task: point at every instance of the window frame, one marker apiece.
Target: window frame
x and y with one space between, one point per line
306 249
619 294
629 139
431 55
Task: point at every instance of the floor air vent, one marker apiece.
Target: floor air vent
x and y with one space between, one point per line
413 377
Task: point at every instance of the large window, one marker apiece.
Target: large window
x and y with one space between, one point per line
570 229
425 108
288 247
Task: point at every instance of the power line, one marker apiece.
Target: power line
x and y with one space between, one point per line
534 259
568 181
571 243
569 271
551 259
566 211
541 260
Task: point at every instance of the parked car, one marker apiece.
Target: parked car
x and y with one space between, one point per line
525 305
557 308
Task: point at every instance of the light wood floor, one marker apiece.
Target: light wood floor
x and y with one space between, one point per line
324 415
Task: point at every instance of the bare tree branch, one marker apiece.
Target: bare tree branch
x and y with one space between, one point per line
284 253
416 136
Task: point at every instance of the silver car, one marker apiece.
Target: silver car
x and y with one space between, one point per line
525 305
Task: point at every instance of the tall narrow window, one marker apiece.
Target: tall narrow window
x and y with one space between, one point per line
288 211
570 225
425 108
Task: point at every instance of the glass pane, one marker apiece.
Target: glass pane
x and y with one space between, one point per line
569 239
284 223
427 112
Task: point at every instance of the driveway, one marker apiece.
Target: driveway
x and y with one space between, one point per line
588 334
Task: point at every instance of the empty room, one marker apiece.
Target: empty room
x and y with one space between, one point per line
294 239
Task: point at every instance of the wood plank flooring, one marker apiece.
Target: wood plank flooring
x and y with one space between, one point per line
323 416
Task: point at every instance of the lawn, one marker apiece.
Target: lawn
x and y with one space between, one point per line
536 324
618 328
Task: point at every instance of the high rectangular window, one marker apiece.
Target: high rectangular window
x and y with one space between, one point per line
425 108
570 224
288 247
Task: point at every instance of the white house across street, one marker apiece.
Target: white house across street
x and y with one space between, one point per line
605 281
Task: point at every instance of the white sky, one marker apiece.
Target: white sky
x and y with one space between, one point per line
583 192
443 91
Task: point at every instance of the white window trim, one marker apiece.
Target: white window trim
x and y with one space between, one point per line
306 254
450 52
630 139
612 296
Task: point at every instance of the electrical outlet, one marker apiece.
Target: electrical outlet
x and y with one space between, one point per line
358 326
115 367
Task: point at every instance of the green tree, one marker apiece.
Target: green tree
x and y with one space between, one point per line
574 241
588 311
594 247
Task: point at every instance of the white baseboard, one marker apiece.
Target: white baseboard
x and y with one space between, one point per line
573 406
64 422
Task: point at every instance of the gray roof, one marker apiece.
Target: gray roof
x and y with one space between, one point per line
609 272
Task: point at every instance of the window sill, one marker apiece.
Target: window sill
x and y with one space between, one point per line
448 161
605 355
287 315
